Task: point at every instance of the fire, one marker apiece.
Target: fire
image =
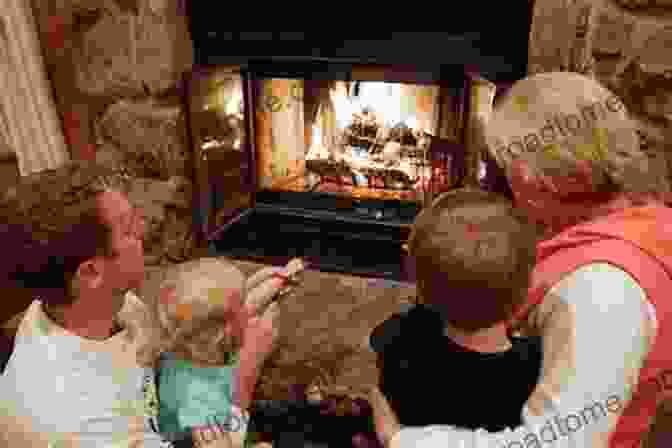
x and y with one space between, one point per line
317 136
384 99
361 145
232 104
343 106
317 149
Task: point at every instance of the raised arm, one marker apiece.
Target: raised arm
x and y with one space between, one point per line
266 283
595 335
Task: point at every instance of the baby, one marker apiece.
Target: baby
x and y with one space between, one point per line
192 335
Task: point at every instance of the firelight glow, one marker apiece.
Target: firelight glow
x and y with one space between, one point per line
343 106
317 149
383 98
411 122
232 103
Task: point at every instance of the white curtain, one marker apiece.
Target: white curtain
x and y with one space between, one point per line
28 119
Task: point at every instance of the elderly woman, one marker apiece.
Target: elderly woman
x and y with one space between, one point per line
598 294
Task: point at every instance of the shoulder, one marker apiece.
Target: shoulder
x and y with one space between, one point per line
605 288
600 274
582 299
408 324
600 287
33 322
528 349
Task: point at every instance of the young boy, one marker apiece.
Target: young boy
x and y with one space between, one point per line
450 360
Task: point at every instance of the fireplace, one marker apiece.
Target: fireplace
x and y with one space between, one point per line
329 158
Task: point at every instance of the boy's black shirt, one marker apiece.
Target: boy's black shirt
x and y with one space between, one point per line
428 379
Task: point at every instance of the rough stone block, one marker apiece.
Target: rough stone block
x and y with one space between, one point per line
162 192
105 64
152 138
612 32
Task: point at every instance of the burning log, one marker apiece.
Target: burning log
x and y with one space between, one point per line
328 168
362 129
392 151
403 134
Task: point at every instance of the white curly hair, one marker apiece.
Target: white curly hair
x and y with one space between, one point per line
197 321
531 123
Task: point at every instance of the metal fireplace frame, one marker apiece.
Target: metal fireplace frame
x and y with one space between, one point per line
303 204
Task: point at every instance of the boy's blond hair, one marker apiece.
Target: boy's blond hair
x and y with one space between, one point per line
474 253
193 320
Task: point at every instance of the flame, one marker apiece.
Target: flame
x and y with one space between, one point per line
317 150
232 103
317 135
384 99
343 106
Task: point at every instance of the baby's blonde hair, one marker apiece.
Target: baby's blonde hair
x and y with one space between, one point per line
203 291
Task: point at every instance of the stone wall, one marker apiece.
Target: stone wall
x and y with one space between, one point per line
626 45
116 68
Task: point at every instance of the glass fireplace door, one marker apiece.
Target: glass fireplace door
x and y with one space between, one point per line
218 121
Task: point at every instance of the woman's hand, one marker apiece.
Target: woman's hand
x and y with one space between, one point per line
386 421
384 417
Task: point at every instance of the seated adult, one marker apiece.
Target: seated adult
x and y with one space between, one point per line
73 378
598 295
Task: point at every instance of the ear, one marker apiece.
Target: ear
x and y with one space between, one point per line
91 272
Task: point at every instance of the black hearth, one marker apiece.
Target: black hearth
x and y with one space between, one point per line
269 235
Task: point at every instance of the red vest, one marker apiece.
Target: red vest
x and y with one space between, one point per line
639 241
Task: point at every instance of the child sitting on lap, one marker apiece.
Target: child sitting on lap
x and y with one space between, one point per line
192 335
451 360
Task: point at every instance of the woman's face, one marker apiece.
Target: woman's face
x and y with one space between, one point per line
543 201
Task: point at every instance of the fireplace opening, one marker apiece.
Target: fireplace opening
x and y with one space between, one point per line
329 162
354 139
365 140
